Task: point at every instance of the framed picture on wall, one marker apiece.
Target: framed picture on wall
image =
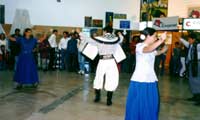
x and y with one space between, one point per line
194 12
153 9
88 21
119 16
97 23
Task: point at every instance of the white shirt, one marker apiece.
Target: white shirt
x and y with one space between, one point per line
106 49
198 51
144 71
103 49
63 43
52 41
3 42
186 44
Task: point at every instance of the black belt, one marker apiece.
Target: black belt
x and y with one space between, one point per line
104 57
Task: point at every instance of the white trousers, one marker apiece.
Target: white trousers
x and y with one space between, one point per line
183 68
109 69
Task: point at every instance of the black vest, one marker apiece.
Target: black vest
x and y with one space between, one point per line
194 60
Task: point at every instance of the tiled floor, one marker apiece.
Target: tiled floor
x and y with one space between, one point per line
69 96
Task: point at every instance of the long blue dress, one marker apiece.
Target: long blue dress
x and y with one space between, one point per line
26 72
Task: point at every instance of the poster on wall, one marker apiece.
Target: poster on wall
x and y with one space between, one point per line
109 19
194 12
153 9
97 23
88 21
119 16
125 24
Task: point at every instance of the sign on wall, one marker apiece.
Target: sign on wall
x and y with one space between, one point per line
169 23
191 24
125 24
153 9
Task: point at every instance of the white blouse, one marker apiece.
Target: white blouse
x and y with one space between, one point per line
144 70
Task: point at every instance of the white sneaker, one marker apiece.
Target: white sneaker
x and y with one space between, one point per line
82 72
79 72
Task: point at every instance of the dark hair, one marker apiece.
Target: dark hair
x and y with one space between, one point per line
26 30
136 38
17 30
3 36
148 31
162 13
192 35
108 29
66 32
55 30
177 43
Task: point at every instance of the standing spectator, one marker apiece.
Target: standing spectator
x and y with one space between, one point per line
44 48
182 59
81 57
53 45
63 48
72 52
193 63
160 61
176 58
143 97
3 51
14 49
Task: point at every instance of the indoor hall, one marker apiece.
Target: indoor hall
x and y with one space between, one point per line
50 50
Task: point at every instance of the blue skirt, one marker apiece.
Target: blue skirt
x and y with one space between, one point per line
142 101
26 72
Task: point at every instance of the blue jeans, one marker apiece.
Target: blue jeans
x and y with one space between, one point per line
81 61
63 58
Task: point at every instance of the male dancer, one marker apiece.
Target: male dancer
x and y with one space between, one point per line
110 52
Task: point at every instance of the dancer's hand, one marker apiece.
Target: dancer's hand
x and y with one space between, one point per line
163 36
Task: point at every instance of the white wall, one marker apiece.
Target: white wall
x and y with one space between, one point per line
70 12
180 7
2 2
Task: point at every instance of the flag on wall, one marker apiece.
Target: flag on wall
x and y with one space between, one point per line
21 20
1 29
109 19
